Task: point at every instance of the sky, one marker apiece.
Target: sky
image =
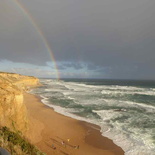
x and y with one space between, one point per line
108 39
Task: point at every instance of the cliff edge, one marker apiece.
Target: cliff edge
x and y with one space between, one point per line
13 113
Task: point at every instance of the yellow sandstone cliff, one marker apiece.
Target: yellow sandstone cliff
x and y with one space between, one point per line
13 113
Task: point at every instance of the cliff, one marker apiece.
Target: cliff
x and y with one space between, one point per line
13 112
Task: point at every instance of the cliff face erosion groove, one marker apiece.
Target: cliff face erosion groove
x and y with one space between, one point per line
13 113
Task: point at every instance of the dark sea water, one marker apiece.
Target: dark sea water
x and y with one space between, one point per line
125 110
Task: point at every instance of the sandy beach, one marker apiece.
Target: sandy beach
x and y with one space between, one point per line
54 133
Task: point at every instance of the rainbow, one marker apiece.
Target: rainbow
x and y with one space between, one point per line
40 33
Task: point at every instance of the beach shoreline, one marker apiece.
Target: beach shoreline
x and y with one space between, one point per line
49 129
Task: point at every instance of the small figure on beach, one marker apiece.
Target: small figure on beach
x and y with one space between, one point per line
76 147
53 146
63 143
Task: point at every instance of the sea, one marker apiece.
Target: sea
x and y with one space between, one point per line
124 109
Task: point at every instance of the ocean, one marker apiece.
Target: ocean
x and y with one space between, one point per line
124 109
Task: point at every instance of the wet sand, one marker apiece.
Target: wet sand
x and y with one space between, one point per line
49 129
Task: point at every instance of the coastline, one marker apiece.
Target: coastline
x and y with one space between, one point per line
47 127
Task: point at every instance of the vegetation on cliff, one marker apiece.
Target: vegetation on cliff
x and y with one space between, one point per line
16 144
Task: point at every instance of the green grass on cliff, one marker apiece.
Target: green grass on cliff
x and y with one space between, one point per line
16 144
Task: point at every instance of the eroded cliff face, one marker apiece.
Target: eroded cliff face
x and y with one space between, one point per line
13 112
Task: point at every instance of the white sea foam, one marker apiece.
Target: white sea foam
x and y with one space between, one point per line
131 146
128 104
66 112
131 139
118 92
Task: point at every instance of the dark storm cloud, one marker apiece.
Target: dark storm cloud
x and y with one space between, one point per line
19 41
114 36
103 29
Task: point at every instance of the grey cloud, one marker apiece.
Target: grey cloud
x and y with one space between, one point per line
65 65
103 32
19 40
74 65
110 36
